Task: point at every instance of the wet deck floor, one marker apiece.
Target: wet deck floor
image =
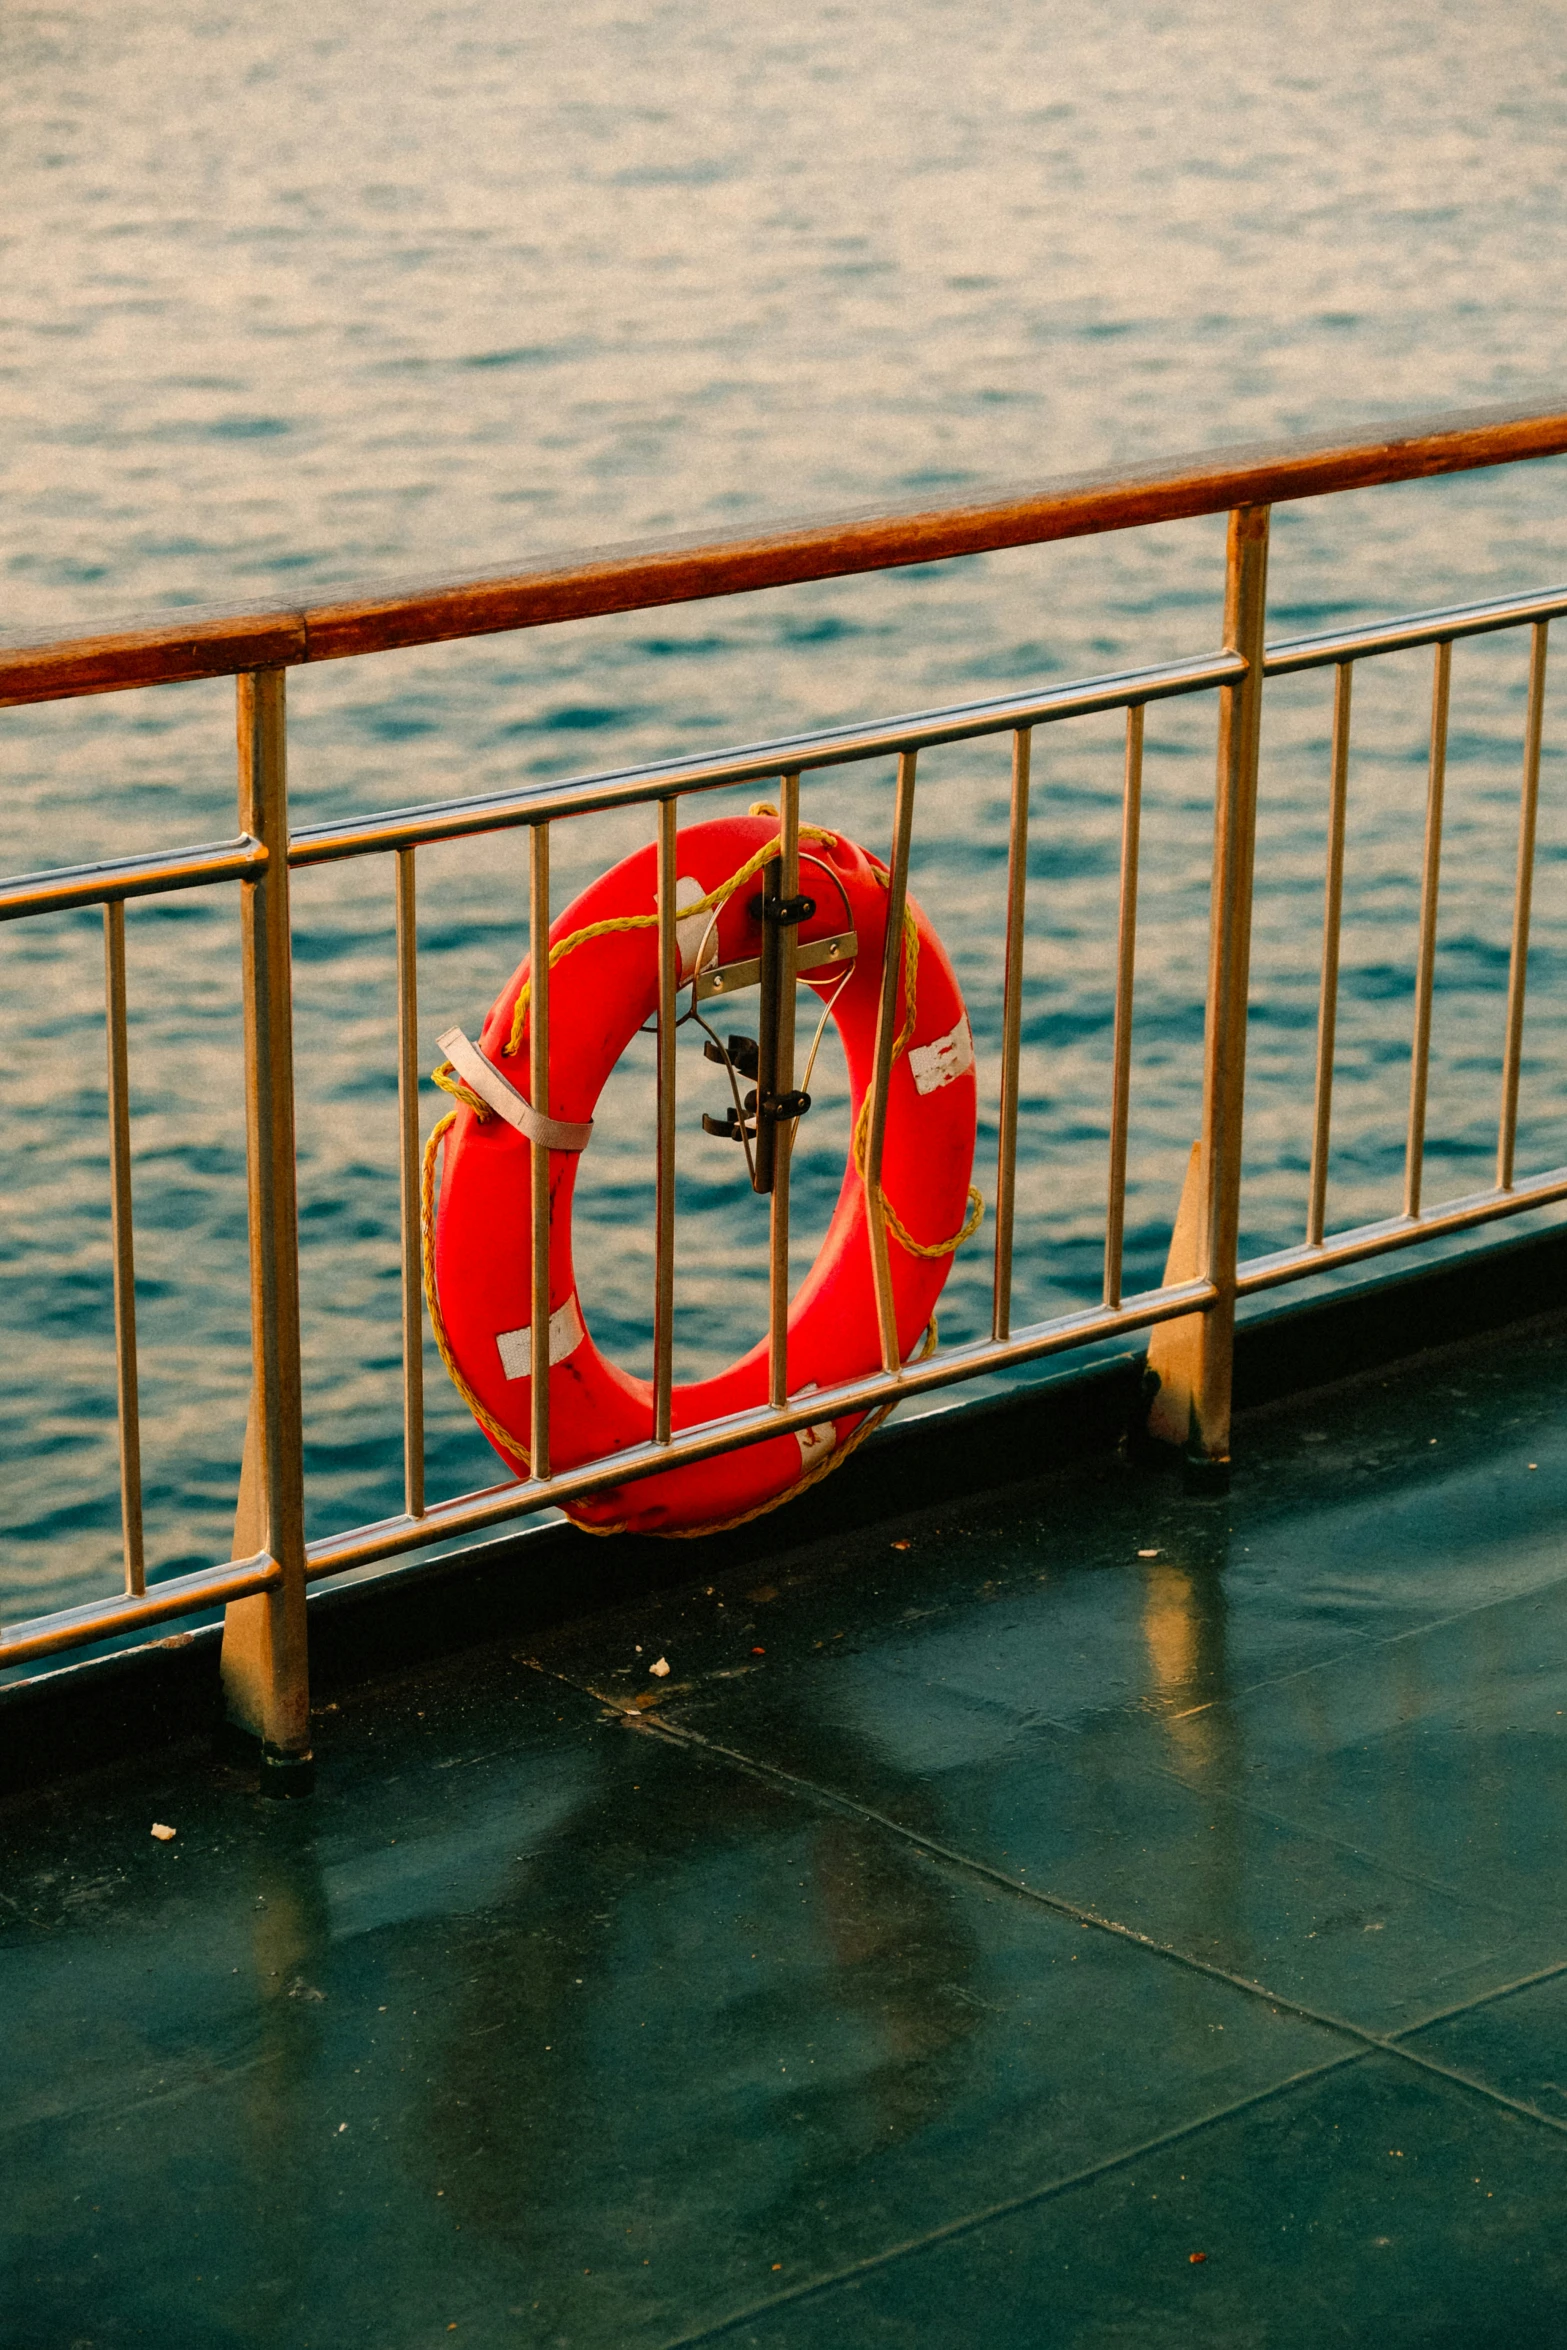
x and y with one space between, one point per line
1085 1916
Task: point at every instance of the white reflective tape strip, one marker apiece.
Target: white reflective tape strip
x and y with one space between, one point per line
516 1346
698 934
817 1442
556 1134
937 1064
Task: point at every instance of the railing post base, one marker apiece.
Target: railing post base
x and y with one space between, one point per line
1176 1351
1204 1474
255 1735
277 1774
266 1724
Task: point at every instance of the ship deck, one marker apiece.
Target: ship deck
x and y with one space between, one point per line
1082 1913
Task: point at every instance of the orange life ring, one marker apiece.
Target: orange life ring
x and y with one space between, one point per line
603 988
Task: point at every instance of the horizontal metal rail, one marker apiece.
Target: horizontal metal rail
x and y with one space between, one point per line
541 803
102 1619
497 1505
472 1513
150 873
212 643
147 874
1413 630
1374 1240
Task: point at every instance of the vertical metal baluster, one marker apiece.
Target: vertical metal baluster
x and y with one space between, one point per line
668 990
768 1000
538 1152
1125 970
1332 925
1518 971
124 1246
1011 1034
408 1184
1229 970
1425 973
888 1023
265 1660
778 1231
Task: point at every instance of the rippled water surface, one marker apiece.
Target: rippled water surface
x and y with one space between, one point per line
291 297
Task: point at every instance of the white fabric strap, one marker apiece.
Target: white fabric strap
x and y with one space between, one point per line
555 1134
820 1440
817 1443
695 934
937 1064
516 1346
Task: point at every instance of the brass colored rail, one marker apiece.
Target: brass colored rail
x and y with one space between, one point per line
403 828
1011 1030
474 1513
142 876
1394 1232
102 1619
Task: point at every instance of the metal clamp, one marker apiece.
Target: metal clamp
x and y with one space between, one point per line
472 1066
783 1108
775 1109
809 955
788 911
742 1053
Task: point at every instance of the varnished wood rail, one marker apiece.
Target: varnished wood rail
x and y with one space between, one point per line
202 642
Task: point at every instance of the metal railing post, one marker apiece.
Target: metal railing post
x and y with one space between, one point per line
408 1183
1425 969
668 855
1125 974
783 1083
888 1021
539 1218
1332 929
1523 891
125 1249
1229 969
265 1664
1011 1033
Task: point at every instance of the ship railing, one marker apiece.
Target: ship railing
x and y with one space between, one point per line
264 1590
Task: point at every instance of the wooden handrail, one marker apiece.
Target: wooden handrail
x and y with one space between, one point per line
204 642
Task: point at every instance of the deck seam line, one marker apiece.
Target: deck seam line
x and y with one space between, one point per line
1461 1615
948 2230
1191 1713
1461 2080
1368 1640
1369 2042
1298 1827
948 1854
1447 2015
1262 1811
1237 1801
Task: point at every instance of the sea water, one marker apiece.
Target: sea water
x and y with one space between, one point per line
296 297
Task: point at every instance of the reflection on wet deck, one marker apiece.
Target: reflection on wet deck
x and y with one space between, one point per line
989 1914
